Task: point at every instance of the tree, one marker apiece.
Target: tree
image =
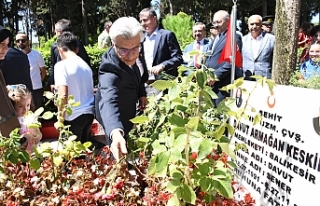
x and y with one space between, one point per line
286 35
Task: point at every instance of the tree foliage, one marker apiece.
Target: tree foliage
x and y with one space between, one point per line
88 16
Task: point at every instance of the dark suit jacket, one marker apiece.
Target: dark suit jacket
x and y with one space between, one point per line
223 69
118 91
16 69
55 57
167 52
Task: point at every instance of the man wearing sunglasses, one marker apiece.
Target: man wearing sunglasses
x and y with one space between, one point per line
14 64
122 75
37 67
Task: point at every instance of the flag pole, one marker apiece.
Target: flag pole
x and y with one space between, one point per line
233 41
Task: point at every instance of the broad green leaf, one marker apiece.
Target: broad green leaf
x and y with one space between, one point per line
206 184
162 164
211 93
271 84
174 92
13 159
33 126
232 164
87 144
35 163
47 115
194 52
174 201
201 78
179 130
193 123
75 104
57 160
78 147
176 120
226 147
162 84
175 155
158 147
69 110
188 194
39 111
139 119
205 169
238 82
173 185
220 131
162 118
224 188
195 143
152 166
205 148
72 138
70 98
24 156
48 95
180 142
257 119
181 108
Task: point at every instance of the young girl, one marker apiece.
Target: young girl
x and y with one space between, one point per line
311 67
22 99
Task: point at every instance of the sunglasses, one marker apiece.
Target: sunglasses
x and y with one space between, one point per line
16 86
124 52
21 41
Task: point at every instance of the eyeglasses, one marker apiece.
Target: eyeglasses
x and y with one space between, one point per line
124 52
21 41
16 86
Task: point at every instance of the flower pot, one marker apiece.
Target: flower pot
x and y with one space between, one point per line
48 130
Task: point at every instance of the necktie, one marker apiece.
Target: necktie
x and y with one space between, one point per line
197 62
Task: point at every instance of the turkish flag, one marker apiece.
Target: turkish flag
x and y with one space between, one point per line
227 50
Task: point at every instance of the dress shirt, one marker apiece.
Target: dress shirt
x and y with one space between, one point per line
148 44
256 45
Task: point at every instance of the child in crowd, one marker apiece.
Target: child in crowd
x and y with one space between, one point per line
311 67
21 99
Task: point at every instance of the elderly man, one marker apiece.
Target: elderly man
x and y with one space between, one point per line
257 51
161 48
37 67
222 69
121 83
200 44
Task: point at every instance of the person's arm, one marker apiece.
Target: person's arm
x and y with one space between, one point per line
175 59
42 67
43 73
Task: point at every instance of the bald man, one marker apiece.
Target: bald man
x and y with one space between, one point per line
257 51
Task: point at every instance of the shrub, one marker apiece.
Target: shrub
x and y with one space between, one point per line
181 25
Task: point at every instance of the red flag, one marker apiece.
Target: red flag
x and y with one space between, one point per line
227 50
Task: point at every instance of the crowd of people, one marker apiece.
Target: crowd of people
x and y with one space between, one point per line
138 52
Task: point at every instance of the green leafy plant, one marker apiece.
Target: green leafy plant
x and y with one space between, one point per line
181 25
187 141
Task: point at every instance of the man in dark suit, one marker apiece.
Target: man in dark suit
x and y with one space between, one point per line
14 64
161 48
121 83
200 44
222 70
61 26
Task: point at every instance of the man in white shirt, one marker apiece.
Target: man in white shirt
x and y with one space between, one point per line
73 76
257 50
37 67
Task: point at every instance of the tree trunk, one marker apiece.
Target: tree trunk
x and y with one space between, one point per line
264 8
286 35
85 24
171 7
